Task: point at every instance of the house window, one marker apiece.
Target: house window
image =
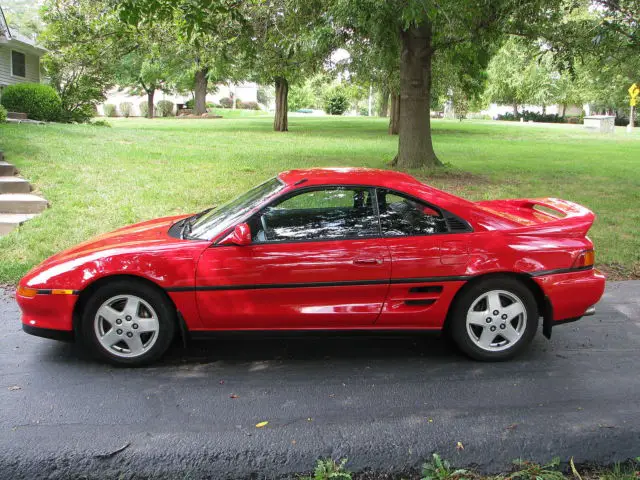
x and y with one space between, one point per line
18 64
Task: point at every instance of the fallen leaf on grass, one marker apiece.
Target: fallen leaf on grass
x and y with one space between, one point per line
261 424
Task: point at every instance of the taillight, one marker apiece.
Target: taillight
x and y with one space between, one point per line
585 259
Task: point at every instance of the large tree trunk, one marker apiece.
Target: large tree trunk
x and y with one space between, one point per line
150 108
564 109
515 109
200 91
281 119
394 117
415 148
384 102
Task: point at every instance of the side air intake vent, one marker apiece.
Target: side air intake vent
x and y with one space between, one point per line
457 225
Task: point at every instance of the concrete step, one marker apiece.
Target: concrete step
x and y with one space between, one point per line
22 203
14 185
6 169
11 221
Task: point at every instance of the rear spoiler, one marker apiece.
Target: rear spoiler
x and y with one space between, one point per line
543 216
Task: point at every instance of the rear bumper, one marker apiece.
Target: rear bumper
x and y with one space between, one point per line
571 295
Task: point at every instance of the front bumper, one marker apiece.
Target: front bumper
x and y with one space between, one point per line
571 295
47 312
62 335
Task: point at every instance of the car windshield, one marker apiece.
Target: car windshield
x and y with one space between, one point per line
211 224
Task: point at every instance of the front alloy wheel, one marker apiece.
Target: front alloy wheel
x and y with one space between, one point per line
128 322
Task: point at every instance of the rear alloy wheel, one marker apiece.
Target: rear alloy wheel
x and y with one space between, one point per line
128 323
495 319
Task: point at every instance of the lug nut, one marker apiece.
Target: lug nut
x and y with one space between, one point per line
489 320
496 312
503 326
118 321
493 328
128 318
135 325
119 331
129 334
504 316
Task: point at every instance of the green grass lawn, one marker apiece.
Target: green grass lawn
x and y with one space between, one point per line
98 178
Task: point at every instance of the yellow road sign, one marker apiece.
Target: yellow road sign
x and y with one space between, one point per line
634 91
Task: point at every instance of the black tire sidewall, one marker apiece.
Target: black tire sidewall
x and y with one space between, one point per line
158 301
469 295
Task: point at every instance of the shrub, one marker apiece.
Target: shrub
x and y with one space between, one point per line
213 105
191 103
165 108
248 105
100 123
39 102
226 102
144 108
125 109
336 102
3 114
109 110
533 116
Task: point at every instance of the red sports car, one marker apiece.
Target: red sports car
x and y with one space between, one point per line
324 249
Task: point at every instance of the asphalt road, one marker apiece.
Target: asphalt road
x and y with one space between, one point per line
385 403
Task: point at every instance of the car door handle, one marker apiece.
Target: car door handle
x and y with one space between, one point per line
367 261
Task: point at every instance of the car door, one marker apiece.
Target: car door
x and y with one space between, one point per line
428 260
316 261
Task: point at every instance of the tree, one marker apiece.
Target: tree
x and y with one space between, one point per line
151 65
84 40
419 32
291 39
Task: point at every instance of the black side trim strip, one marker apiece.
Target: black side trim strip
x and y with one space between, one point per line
63 335
426 301
318 284
542 273
48 291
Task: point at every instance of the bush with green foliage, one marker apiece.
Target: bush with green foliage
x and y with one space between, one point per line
533 116
336 102
144 108
3 114
165 108
38 101
190 104
125 109
109 110
248 105
226 102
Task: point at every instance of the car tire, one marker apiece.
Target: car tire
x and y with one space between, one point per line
128 323
494 319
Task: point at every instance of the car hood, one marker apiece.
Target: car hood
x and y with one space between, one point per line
145 234
147 239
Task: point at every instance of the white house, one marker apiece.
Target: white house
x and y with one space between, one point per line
19 56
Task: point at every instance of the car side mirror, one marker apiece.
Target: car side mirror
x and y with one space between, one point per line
240 236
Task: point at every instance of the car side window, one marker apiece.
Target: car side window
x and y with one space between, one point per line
405 216
319 214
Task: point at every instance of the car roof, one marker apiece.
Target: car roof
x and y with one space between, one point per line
346 176
377 178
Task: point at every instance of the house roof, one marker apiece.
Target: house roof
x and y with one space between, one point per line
15 38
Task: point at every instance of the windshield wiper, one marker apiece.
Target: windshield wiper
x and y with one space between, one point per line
187 226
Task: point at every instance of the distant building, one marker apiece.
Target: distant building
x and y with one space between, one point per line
19 56
245 92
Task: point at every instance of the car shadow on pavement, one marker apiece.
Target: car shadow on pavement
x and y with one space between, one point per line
240 348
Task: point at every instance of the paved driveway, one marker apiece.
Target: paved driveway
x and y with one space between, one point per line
386 403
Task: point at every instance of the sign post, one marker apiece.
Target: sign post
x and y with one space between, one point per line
634 92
